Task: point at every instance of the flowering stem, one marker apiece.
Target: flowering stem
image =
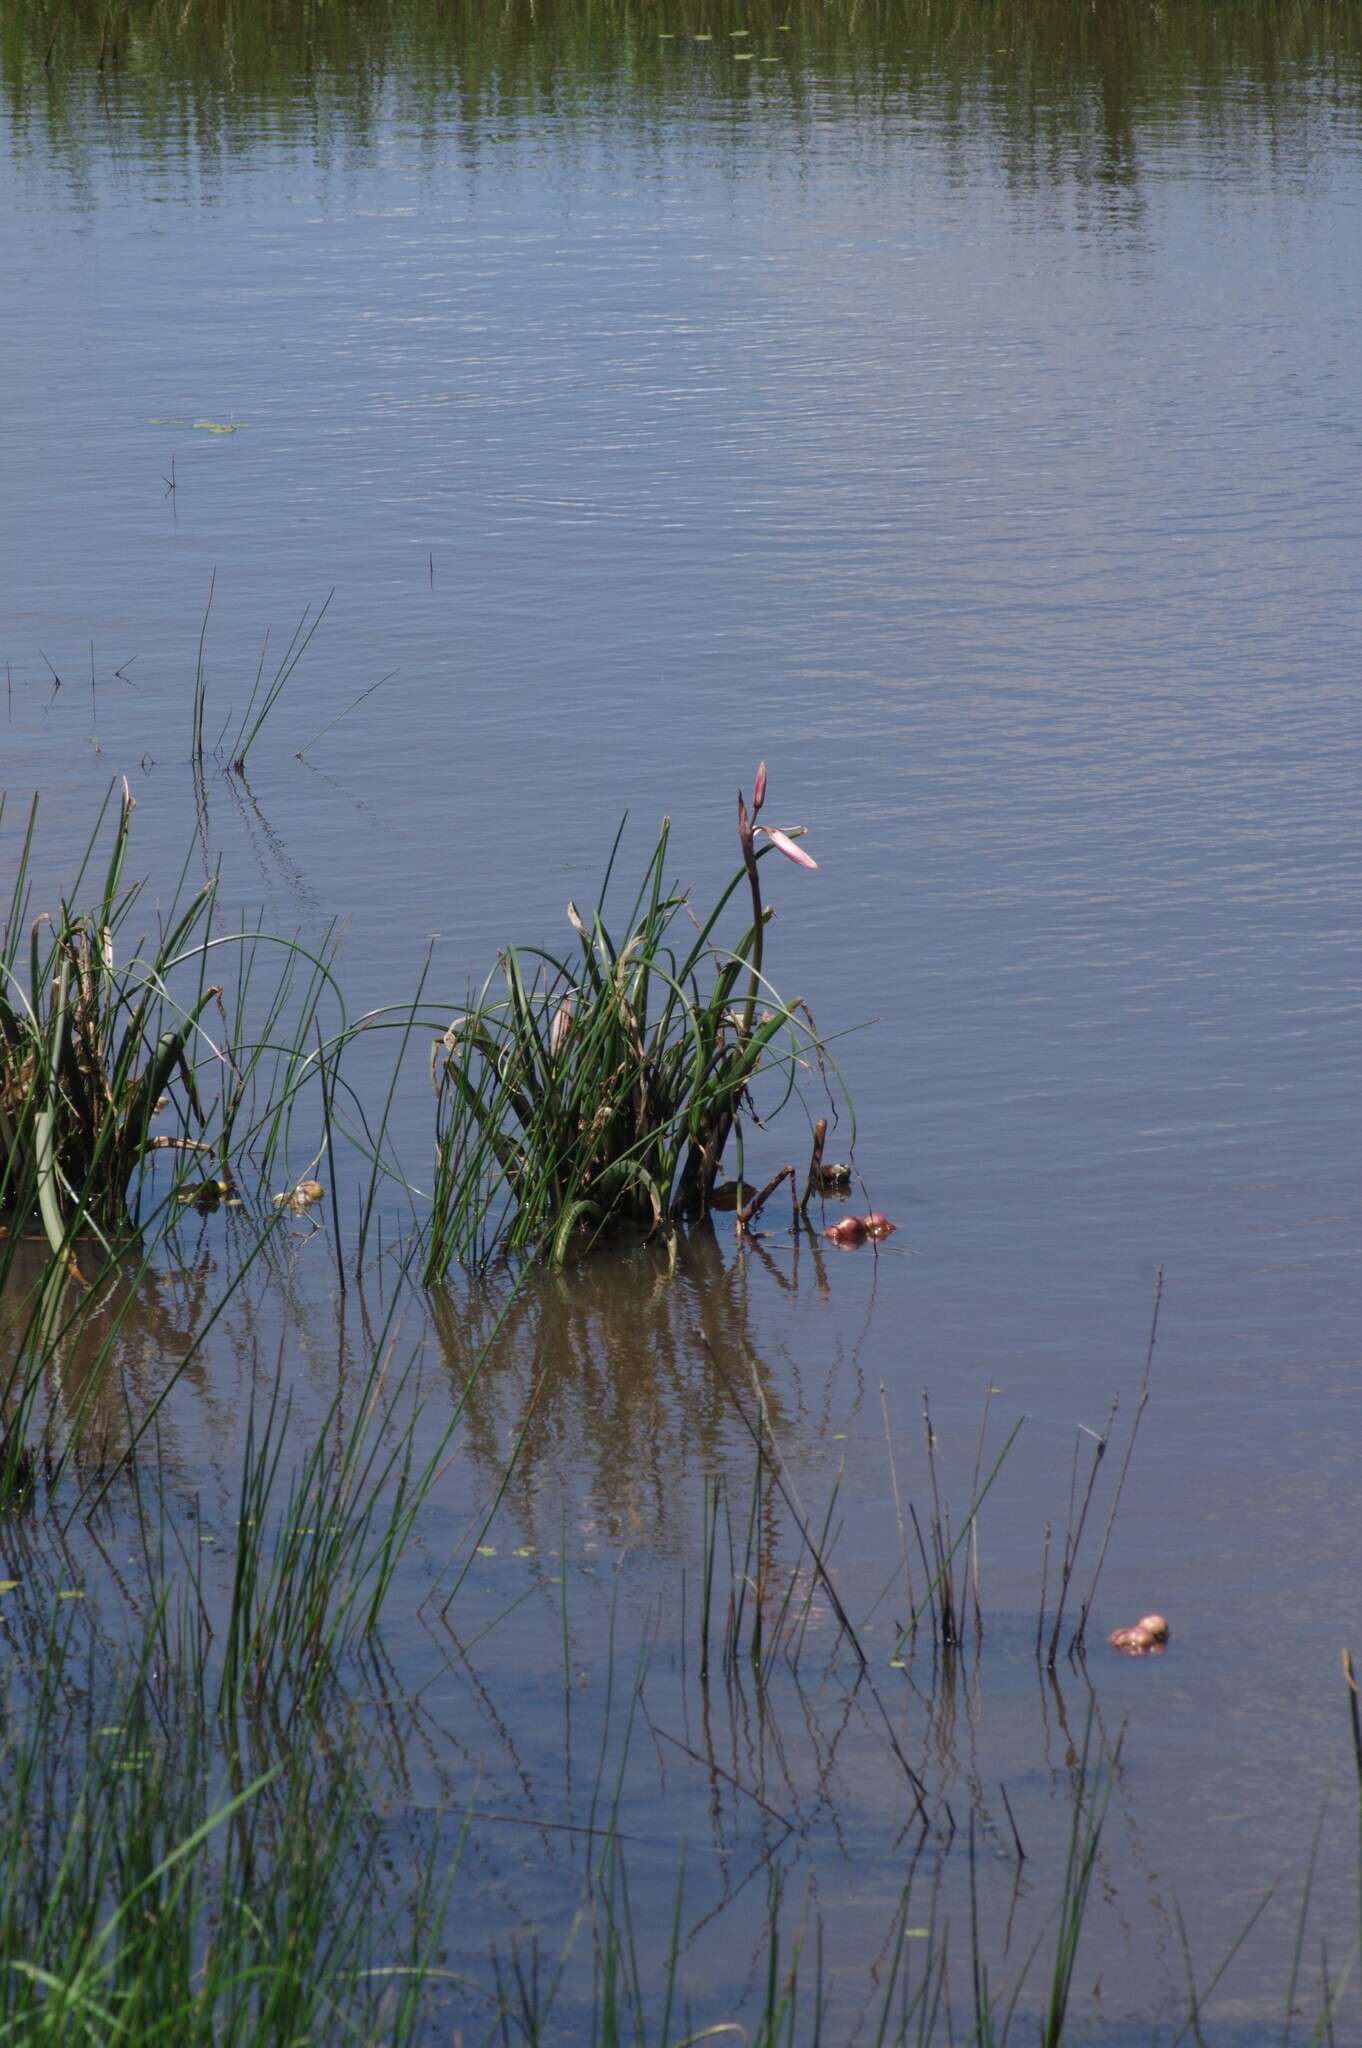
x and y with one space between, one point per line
749 859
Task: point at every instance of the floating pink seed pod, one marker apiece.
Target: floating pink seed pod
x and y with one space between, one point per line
877 1225
1147 1638
850 1231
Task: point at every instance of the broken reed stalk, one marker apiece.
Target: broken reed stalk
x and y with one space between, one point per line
812 1182
1080 1632
906 1633
1073 1534
745 1579
747 1216
711 1538
898 1502
929 1575
1012 1823
200 682
333 1163
353 705
824 1543
1044 1590
972 1558
1354 1717
249 728
949 1619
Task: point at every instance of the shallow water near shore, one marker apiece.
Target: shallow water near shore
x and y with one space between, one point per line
964 417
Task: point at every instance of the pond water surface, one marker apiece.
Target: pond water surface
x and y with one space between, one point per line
964 414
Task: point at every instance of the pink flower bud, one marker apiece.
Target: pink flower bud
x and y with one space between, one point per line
850 1231
784 844
759 788
877 1225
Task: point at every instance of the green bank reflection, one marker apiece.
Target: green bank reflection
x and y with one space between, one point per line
1061 88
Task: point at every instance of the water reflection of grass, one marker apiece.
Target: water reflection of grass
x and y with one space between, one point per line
1061 87
207 1816
208 1831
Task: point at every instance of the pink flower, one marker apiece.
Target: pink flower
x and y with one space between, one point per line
784 844
759 788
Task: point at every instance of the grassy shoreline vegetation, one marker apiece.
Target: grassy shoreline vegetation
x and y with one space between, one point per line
213 1826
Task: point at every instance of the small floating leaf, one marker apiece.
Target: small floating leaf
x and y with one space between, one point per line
70 1593
8 1585
214 427
525 1550
487 1550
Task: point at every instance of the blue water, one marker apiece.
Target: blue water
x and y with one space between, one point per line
1007 503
